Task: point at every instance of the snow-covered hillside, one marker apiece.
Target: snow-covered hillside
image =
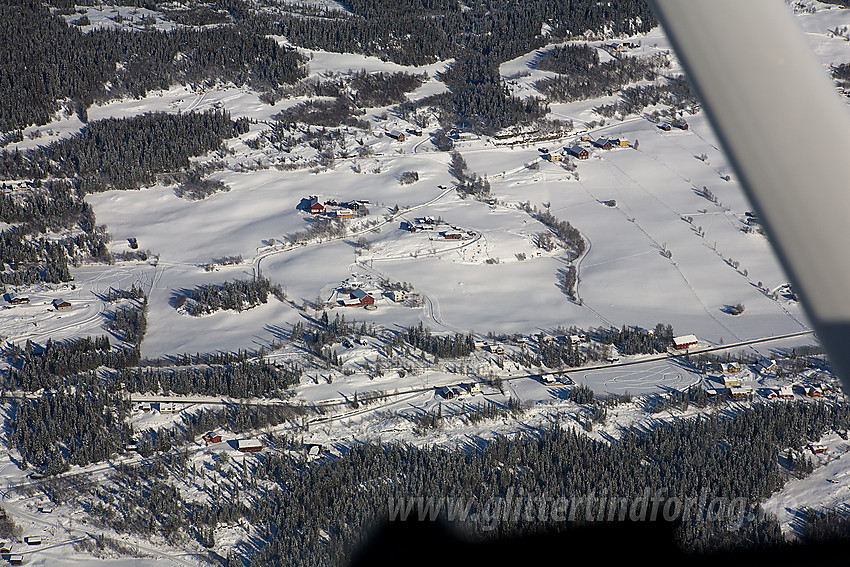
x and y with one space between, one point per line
669 237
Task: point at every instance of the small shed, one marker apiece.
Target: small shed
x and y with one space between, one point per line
6 547
33 540
680 124
396 135
249 445
16 559
603 143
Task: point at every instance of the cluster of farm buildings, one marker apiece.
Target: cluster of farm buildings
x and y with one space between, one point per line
333 208
20 299
580 149
434 225
356 293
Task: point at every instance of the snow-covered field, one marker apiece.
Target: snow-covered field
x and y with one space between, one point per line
664 252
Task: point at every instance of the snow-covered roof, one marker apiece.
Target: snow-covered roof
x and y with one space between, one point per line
684 339
359 293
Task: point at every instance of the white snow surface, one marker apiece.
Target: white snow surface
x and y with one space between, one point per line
478 284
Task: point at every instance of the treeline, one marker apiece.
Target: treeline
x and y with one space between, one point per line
235 296
351 94
45 61
826 525
555 354
322 228
320 514
195 188
330 114
36 367
130 322
562 229
363 88
675 93
479 37
236 380
570 59
52 205
479 100
418 32
327 332
27 254
125 153
442 346
77 426
587 78
634 340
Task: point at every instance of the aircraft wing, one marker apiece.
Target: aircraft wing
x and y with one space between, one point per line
786 132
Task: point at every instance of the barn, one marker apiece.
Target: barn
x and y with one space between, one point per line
684 342
61 305
396 135
603 143
579 152
359 298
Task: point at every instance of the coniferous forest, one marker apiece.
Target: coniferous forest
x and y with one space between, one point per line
320 514
67 401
